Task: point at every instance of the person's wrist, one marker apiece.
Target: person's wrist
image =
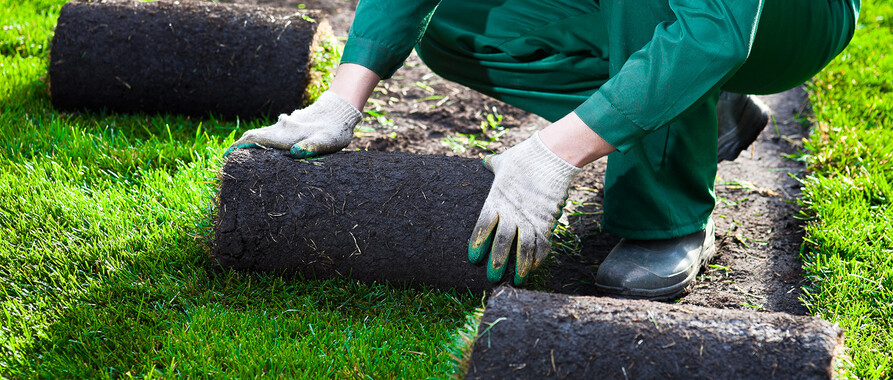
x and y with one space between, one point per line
572 140
335 108
550 166
354 83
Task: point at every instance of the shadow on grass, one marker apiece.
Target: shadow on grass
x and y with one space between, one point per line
173 316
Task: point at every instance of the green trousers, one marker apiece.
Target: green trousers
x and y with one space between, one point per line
550 58
645 76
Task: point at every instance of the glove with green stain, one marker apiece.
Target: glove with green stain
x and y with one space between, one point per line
326 126
528 193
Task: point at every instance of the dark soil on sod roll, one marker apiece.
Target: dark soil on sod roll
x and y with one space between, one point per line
527 334
757 266
182 57
372 216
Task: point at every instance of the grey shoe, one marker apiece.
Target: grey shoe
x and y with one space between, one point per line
741 119
655 269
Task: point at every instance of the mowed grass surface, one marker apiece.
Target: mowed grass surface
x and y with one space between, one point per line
103 254
104 269
848 197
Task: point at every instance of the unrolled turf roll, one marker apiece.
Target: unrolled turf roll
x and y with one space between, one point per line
182 57
373 216
527 334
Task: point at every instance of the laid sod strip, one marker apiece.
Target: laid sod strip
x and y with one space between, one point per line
848 255
183 57
103 265
372 216
532 334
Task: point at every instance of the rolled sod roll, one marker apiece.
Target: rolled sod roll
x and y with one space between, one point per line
182 57
370 216
527 334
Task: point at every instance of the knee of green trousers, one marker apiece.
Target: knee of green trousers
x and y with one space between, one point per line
546 61
664 186
794 41
496 82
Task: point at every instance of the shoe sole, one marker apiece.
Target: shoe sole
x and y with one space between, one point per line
754 119
674 291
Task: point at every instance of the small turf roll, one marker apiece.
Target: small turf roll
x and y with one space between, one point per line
372 216
526 334
182 57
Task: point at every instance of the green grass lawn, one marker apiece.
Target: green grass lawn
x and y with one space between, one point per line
847 198
104 223
104 268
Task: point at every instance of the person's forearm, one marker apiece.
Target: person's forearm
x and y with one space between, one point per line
354 83
572 140
661 78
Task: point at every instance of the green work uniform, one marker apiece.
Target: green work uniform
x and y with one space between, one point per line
645 76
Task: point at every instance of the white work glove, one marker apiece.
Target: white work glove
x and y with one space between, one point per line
526 198
326 126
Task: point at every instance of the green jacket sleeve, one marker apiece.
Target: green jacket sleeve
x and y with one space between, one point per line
384 32
683 61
